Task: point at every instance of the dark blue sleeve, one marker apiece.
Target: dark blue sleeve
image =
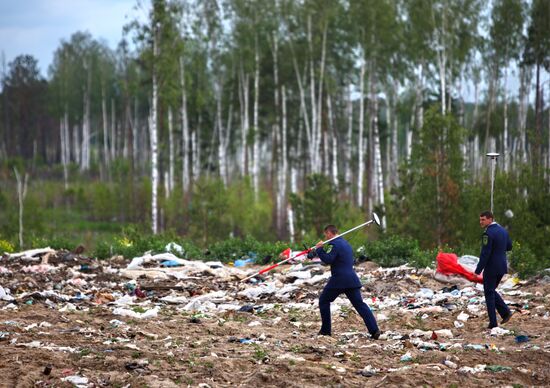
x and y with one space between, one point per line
327 258
486 248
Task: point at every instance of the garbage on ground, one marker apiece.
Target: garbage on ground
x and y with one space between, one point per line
521 339
65 303
498 331
447 264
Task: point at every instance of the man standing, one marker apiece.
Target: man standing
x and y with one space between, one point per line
495 241
344 280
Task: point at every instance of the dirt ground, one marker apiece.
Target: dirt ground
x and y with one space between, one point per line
71 336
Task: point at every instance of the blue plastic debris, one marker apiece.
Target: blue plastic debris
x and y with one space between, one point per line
522 338
171 263
242 263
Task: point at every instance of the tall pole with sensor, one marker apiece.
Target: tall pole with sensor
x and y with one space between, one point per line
494 157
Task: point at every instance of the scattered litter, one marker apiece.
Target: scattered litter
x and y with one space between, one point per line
498 331
522 338
498 368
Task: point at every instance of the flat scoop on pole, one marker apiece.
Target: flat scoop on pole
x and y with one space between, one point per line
375 219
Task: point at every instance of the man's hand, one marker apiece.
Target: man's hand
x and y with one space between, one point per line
312 253
319 244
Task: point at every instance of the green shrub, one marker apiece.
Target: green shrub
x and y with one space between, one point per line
233 249
6 247
523 260
54 242
392 251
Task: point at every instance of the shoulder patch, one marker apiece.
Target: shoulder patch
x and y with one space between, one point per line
485 239
328 248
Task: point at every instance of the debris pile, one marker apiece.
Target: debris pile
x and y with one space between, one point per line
163 321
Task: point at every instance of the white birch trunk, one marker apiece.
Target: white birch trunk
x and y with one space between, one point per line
244 100
21 194
85 162
349 140
154 140
319 109
361 173
114 135
334 145
105 129
171 153
256 146
378 160
476 105
505 148
283 173
195 149
393 168
76 144
65 140
136 131
314 155
184 130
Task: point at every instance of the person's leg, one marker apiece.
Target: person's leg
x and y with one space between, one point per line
325 299
502 307
489 286
354 296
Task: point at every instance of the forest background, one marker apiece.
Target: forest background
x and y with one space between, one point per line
239 127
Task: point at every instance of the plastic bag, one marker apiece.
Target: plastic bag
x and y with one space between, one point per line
447 264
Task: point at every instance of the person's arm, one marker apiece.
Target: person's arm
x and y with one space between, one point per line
486 248
327 258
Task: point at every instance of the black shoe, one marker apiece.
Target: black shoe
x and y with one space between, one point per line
507 318
491 327
323 333
376 334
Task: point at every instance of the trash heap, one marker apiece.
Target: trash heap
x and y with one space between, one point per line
160 320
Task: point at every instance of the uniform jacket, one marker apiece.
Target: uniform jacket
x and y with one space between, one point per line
340 258
495 241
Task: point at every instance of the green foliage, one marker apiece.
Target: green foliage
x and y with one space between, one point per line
249 215
134 242
208 211
430 197
318 205
524 261
54 242
233 249
6 247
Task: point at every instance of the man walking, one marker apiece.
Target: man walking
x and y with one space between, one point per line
344 280
495 242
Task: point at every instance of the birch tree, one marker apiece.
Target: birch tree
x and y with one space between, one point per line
21 194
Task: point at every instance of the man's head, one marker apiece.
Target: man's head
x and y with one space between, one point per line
485 218
330 231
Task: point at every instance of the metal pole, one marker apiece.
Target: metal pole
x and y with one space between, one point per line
494 156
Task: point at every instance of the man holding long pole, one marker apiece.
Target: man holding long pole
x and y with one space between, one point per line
344 280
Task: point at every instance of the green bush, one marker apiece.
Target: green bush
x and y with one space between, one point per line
54 242
523 260
233 249
392 251
134 243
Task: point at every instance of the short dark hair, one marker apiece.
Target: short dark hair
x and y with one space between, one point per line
487 214
331 228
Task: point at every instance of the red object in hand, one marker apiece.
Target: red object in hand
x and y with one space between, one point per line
447 264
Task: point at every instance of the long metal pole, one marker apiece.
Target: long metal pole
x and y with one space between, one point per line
494 156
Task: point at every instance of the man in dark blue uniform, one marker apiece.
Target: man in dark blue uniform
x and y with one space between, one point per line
344 280
495 242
